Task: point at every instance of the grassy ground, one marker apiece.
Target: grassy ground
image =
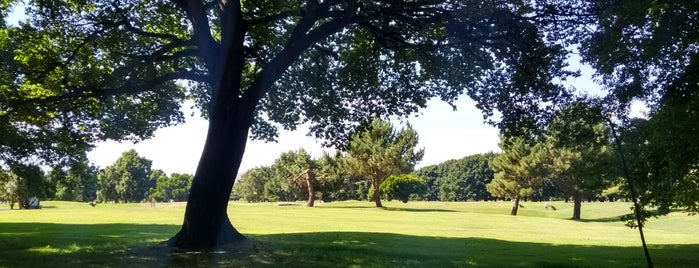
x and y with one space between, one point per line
349 234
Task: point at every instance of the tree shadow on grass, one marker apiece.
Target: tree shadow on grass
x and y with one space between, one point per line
130 245
419 209
605 219
391 208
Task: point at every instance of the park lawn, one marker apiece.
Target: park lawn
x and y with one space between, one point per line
349 234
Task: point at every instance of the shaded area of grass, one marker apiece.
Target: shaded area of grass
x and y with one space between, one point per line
356 249
73 245
135 245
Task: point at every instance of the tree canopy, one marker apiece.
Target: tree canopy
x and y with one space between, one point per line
578 153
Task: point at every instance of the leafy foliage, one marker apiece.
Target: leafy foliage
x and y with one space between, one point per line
578 148
80 72
402 187
172 188
459 179
128 180
251 185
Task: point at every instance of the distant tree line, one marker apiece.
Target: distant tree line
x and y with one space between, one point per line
129 179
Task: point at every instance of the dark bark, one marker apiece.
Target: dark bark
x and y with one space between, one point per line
206 223
632 190
377 195
310 177
515 206
577 203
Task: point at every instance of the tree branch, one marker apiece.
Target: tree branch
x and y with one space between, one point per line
271 18
138 31
209 48
86 92
301 38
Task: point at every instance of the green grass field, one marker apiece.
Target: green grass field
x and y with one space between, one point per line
349 234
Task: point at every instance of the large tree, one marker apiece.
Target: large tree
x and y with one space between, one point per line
579 154
77 72
647 51
380 151
127 180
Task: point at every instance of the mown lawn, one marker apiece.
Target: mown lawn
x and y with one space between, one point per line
349 234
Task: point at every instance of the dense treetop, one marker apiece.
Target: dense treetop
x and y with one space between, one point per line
77 72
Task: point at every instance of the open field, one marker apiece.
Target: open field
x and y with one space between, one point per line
349 234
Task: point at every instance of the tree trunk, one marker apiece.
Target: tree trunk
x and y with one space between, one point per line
206 224
577 203
515 206
310 177
232 111
377 195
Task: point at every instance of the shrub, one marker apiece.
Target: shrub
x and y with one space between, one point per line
402 186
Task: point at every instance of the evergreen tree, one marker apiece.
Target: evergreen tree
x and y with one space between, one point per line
518 170
578 148
380 151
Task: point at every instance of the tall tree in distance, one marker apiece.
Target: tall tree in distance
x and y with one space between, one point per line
380 151
519 169
127 180
77 73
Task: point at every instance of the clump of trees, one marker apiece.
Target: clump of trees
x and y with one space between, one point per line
373 155
129 179
23 183
169 188
458 179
